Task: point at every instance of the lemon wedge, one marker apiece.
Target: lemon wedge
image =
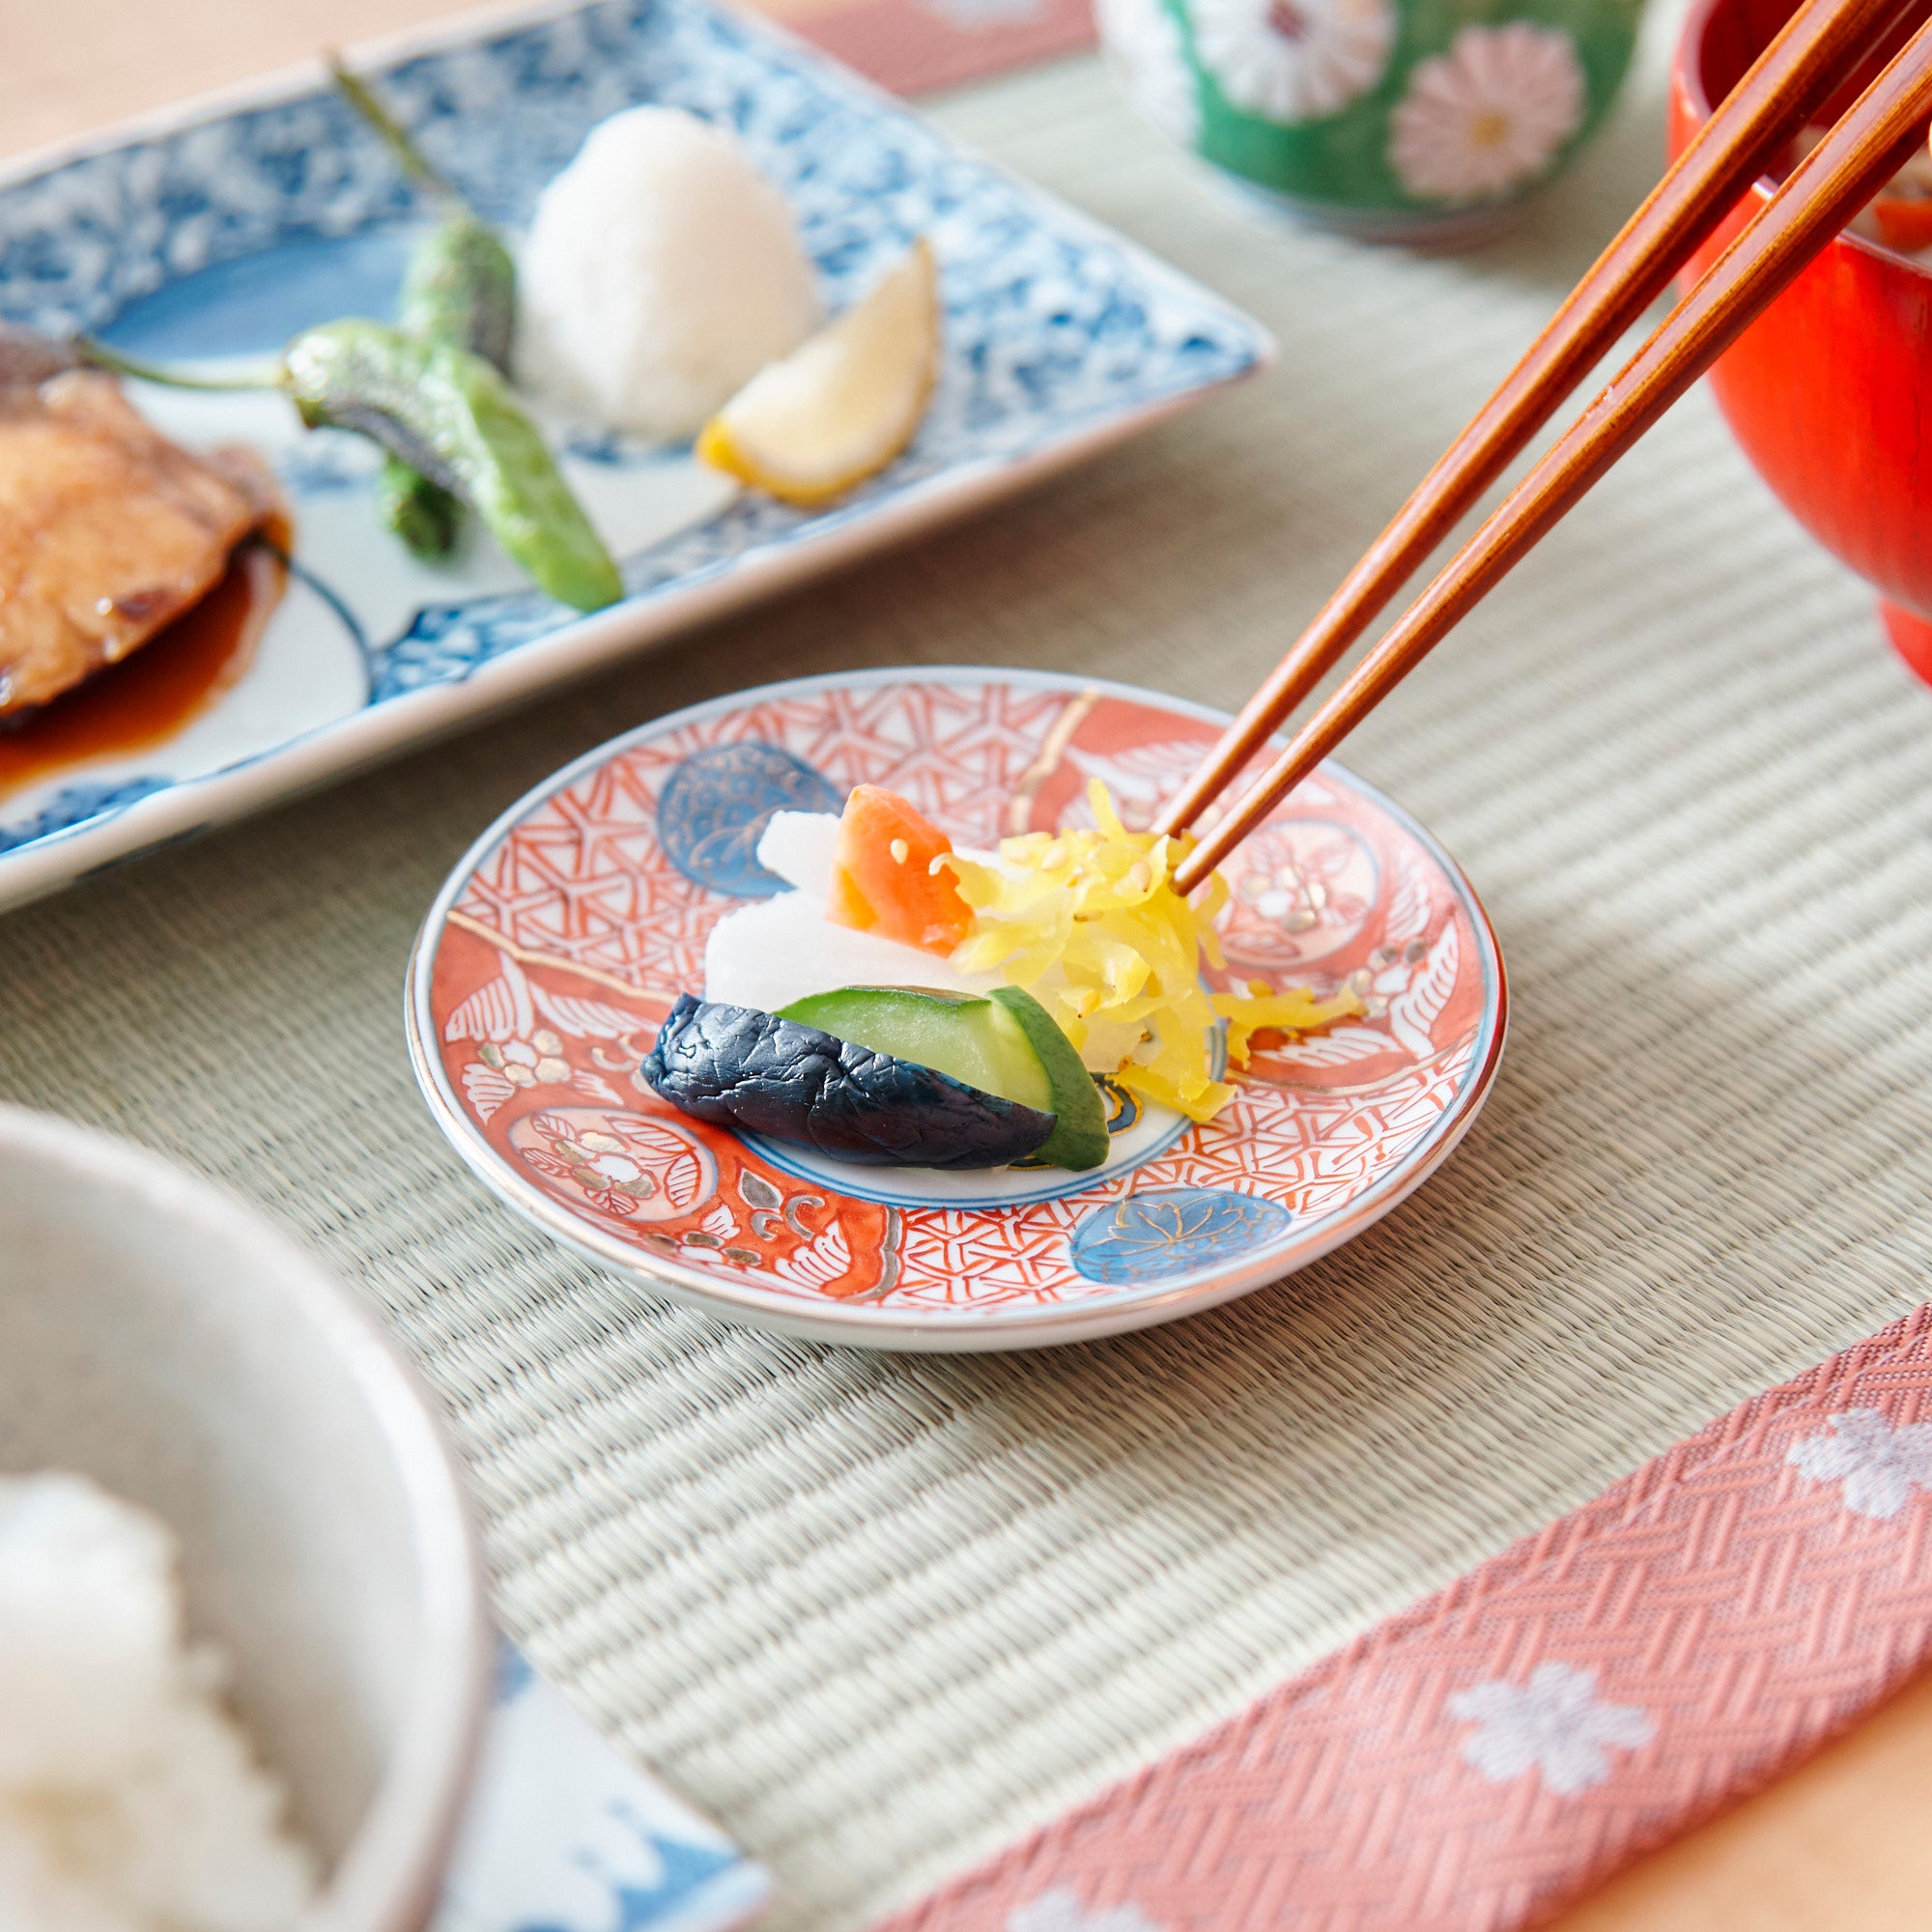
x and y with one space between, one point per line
845 403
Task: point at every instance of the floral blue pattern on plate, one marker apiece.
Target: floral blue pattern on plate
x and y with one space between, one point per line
718 803
219 232
563 1836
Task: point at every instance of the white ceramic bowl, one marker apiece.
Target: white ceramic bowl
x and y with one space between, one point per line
161 1338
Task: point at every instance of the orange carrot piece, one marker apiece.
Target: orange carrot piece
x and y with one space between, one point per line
882 876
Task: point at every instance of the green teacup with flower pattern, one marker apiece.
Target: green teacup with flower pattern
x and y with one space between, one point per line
1405 119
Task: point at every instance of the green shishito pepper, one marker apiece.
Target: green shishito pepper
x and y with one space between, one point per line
450 418
423 514
444 413
460 288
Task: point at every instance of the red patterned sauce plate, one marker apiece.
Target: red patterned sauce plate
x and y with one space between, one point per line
560 941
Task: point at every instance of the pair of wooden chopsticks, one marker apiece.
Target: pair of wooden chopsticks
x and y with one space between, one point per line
1818 49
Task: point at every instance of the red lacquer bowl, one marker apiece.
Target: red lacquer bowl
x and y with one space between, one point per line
1828 390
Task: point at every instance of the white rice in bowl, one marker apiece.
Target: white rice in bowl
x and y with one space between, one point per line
662 272
131 1801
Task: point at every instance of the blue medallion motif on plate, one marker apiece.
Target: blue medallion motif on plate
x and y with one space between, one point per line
715 808
1171 1231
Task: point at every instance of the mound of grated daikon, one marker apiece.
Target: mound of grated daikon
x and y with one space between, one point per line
662 272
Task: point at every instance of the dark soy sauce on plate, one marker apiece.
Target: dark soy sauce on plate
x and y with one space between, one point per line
162 687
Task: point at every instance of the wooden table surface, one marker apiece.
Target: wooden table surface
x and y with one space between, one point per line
1840 1846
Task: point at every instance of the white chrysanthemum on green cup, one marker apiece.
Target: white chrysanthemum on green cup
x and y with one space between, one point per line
1143 42
1488 115
1293 60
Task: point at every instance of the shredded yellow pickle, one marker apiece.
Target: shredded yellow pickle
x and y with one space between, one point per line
1089 924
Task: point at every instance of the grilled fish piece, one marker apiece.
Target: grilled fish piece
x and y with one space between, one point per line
28 357
108 532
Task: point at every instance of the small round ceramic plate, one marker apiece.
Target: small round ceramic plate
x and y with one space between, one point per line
562 938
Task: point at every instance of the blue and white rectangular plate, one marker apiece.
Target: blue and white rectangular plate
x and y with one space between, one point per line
220 231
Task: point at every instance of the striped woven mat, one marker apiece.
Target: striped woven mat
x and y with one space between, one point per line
883 1618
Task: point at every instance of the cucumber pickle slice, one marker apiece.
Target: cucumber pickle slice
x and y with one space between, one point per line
1079 1136
1006 1044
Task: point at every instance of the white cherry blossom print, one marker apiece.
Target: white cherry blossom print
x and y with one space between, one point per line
536 1062
1488 115
1305 889
1293 60
506 1065
1150 65
1554 1725
1060 1911
622 1164
1878 1465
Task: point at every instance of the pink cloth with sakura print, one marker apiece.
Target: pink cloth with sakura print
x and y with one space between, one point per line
1476 1763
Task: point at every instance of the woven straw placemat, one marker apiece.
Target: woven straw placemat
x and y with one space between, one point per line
879 1614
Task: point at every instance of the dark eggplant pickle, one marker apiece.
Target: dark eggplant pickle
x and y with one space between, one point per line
738 1068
